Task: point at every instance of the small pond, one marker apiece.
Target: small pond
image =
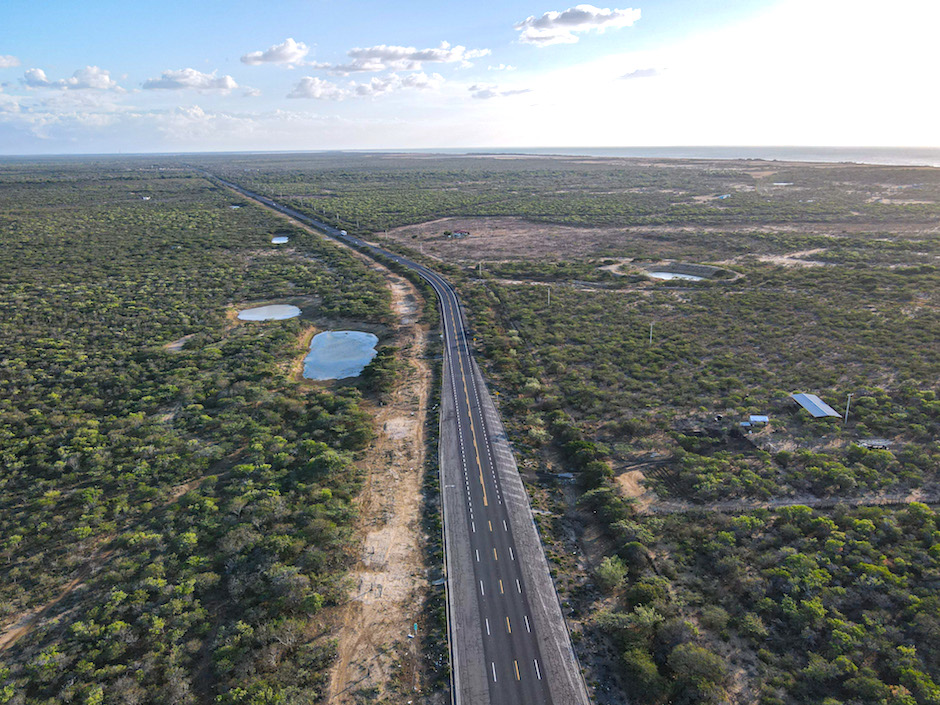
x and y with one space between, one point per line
675 275
277 312
280 240
337 354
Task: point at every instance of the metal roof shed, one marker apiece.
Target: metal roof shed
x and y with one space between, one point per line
815 406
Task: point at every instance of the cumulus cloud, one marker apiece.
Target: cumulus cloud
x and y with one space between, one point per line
501 67
385 57
394 82
486 92
642 73
563 27
320 89
8 62
191 78
251 92
88 78
288 52
317 88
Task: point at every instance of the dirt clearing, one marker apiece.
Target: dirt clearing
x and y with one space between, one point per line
375 656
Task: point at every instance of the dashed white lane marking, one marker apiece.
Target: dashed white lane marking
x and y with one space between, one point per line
511 554
538 671
482 592
473 527
478 554
518 586
527 627
505 526
494 670
487 626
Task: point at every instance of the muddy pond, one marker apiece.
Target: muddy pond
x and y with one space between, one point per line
338 354
675 275
276 312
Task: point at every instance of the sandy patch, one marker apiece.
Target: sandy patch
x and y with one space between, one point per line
398 428
631 484
795 259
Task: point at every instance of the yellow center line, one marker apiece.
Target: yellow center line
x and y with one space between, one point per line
473 431
516 664
495 557
491 524
501 587
508 628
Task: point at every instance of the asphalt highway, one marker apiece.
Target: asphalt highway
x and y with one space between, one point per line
509 644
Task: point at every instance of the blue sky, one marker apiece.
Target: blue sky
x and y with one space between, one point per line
103 76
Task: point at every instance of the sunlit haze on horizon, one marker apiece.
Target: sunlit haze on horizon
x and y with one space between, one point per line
107 77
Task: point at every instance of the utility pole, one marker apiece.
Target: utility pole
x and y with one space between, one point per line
847 402
651 334
549 295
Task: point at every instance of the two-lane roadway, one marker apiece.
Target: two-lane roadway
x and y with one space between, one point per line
509 644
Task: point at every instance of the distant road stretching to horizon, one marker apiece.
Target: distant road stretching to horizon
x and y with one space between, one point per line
509 643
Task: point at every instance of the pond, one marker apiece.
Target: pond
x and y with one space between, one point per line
280 240
675 275
338 354
277 312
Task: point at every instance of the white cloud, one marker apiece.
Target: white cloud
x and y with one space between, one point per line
396 58
88 78
9 104
318 88
36 78
642 73
251 92
561 27
394 82
501 67
486 92
8 62
288 52
191 78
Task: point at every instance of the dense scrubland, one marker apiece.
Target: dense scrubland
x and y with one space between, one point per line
829 283
181 516
210 503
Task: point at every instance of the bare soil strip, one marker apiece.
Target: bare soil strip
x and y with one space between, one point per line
374 652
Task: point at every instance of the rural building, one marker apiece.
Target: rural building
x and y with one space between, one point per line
815 406
457 234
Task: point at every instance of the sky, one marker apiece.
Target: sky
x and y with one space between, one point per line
109 76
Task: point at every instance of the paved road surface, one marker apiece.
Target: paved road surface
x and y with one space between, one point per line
508 639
